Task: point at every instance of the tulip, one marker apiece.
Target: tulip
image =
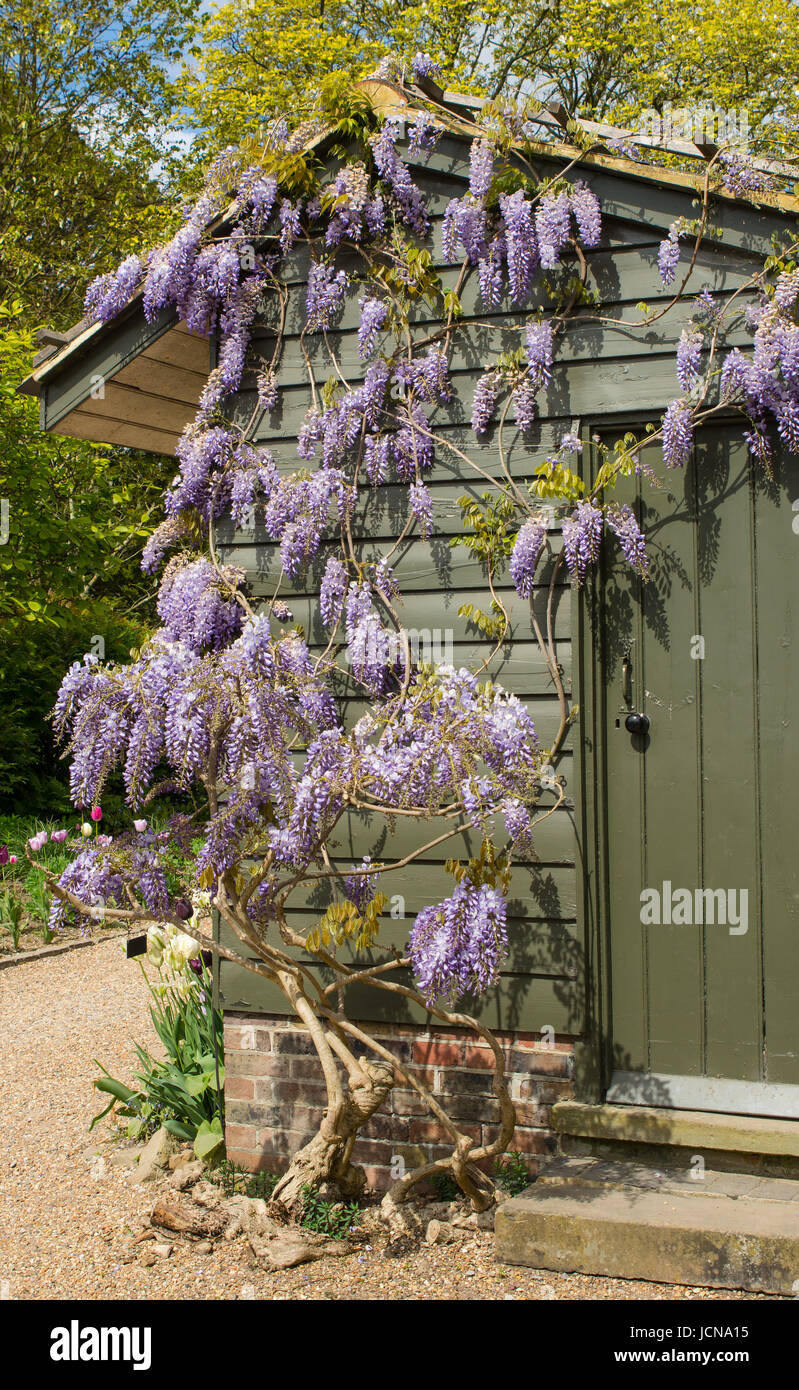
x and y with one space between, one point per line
58 835
12 859
182 948
156 941
86 829
3 854
96 813
140 825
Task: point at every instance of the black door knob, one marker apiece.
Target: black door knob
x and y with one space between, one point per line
637 724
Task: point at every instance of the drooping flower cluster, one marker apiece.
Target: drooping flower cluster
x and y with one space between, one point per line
524 237
197 604
457 947
393 171
357 212
582 537
669 252
325 296
109 293
527 551
689 358
678 434
623 524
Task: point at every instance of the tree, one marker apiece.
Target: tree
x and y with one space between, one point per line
85 99
76 517
232 700
603 59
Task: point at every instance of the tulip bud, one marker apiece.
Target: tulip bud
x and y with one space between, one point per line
183 909
140 826
96 813
86 829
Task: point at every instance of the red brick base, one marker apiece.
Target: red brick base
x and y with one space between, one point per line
275 1094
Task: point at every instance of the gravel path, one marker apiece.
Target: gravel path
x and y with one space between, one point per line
66 1215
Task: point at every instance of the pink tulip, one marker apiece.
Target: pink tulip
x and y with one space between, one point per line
96 813
140 825
58 835
12 859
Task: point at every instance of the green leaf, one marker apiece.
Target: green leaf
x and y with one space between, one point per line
209 1139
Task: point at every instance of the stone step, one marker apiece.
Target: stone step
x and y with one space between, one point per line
672 1226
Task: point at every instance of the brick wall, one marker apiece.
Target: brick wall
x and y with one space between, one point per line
275 1093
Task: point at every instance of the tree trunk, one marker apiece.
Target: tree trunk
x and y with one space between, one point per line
326 1157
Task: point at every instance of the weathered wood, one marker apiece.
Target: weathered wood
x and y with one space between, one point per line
519 1002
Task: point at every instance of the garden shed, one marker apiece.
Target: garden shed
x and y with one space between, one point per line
653 964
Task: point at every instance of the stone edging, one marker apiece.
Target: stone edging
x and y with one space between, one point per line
21 956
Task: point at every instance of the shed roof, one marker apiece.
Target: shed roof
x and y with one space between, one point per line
138 384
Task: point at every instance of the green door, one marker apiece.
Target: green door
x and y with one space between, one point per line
698 816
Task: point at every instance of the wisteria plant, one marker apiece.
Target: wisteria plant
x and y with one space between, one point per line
227 700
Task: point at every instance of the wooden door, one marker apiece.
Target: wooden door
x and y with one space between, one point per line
701 866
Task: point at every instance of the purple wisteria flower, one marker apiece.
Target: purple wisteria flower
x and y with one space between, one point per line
521 247
587 214
485 401
689 358
422 508
742 177
324 297
394 172
196 603
527 550
458 947
707 309
623 524
422 65
422 135
481 168
582 537
108 294
669 253
786 291
332 591
552 227
374 313
539 351
678 435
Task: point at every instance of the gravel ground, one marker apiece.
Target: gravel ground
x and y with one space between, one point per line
66 1215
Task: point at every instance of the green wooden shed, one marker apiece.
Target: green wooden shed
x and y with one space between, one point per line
656 938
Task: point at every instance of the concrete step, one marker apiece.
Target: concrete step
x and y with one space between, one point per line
672 1226
669 1138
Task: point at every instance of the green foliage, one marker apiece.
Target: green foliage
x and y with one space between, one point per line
237 1181
11 914
329 1218
555 480
486 868
69 573
345 922
489 527
602 61
180 1091
85 102
511 1172
445 1186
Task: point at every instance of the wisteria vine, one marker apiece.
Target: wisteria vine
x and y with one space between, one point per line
227 701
